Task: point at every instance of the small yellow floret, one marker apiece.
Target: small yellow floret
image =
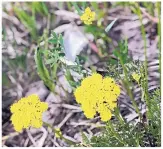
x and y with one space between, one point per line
97 95
136 77
59 132
88 16
28 112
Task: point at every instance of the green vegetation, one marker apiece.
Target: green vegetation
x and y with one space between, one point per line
49 57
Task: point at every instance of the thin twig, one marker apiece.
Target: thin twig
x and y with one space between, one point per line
31 138
65 119
43 138
10 135
60 135
68 106
154 19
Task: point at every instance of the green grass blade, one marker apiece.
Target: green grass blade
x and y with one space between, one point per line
42 70
27 21
77 8
107 29
83 5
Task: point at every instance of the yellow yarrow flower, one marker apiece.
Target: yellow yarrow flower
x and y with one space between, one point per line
88 16
28 112
136 77
97 95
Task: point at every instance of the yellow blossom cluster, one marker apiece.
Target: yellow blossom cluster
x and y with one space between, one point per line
136 77
97 95
88 16
28 112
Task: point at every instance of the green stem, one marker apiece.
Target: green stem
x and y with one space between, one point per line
47 32
54 70
60 135
69 6
33 12
116 135
118 116
145 53
129 90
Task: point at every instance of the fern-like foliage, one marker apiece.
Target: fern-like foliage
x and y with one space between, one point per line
144 133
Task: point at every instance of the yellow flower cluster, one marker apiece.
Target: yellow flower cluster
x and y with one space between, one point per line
136 77
28 112
97 95
88 16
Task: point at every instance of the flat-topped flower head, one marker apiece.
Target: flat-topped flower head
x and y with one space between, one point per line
28 112
97 95
88 16
136 77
